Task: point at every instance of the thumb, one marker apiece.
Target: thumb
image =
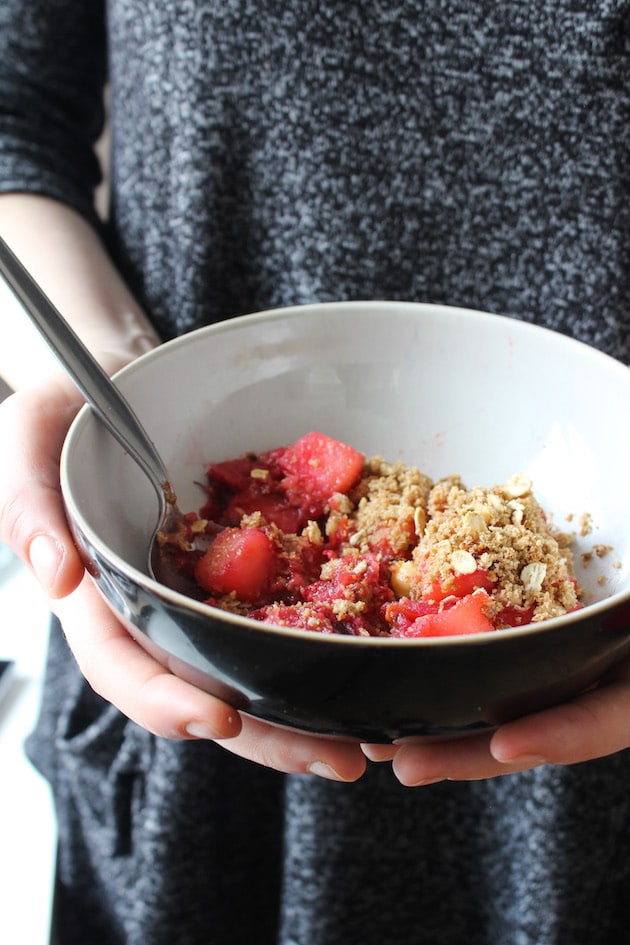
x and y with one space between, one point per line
33 425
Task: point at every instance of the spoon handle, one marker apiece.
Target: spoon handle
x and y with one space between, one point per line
95 385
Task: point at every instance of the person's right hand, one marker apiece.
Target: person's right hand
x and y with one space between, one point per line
33 425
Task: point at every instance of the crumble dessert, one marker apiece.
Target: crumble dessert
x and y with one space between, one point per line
317 537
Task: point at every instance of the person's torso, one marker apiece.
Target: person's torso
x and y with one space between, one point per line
474 154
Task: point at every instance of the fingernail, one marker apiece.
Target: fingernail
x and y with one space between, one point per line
44 556
423 782
207 732
324 770
526 761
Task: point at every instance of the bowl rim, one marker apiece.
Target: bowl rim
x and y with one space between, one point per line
176 599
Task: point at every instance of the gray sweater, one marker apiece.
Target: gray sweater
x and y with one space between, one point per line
269 153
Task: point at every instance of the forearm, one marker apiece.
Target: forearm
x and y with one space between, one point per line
66 257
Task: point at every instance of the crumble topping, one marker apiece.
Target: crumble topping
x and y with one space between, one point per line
503 531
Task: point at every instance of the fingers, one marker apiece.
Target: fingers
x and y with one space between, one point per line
592 726
379 752
122 672
33 425
462 759
298 753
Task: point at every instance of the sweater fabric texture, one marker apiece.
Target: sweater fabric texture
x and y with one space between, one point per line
263 154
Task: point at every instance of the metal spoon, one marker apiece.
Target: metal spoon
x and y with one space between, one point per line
103 397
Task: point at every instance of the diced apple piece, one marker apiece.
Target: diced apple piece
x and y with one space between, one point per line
316 466
242 561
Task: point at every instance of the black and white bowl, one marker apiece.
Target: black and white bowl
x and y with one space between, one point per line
450 390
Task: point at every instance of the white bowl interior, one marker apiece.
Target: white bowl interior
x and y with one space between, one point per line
450 390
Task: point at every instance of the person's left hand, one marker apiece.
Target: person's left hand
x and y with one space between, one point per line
595 724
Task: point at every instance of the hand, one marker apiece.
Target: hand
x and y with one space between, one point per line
33 425
590 726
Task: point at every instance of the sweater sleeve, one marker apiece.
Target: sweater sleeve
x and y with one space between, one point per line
52 74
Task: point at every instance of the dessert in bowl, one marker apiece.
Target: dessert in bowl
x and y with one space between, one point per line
451 391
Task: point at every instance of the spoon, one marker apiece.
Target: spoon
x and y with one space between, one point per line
106 401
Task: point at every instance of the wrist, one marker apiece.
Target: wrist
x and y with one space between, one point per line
80 280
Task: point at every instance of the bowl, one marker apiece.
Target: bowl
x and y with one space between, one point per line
448 389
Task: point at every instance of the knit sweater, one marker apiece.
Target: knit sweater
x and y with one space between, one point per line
268 153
